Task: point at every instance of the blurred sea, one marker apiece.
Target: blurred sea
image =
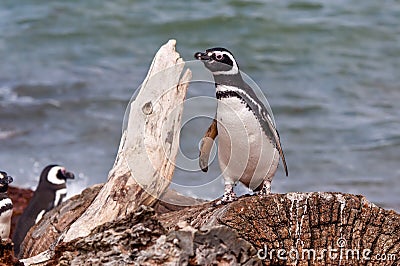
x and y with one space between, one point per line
330 70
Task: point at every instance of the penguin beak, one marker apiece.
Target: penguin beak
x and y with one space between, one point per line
202 56
63 174
69 175
7 180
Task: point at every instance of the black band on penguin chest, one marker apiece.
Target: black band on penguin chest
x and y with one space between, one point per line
6 207
229 94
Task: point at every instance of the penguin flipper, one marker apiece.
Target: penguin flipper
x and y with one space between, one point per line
206 145
279 146
267 122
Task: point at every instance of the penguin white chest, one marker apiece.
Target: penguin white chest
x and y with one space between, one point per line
59 196
245 153
5 217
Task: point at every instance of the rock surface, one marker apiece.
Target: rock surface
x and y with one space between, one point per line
7 253
140 239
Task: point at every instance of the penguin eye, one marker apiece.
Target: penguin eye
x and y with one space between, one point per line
219 56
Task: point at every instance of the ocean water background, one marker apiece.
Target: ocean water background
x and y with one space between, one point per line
330 70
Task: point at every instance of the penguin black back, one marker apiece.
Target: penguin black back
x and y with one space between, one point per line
49 193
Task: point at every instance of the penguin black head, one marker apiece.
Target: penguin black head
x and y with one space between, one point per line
54 176
4 181
219 61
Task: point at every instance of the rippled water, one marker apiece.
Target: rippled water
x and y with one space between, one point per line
330 70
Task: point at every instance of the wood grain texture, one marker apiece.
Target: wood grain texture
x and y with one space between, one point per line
305 221
144 164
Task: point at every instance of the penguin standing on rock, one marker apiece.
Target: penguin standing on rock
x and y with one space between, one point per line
249 146
6 206
49 194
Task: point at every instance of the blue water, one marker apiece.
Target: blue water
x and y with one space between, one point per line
330 70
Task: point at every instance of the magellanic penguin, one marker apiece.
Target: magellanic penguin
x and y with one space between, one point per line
6 206
248 141
49 193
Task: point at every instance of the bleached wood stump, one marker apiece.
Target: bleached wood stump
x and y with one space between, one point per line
145 162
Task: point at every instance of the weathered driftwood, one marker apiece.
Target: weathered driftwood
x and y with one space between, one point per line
108 224
148 146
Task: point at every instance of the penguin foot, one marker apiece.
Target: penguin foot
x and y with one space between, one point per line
229 196
225 200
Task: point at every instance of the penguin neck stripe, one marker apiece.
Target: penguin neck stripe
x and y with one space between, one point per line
60 194
226 94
